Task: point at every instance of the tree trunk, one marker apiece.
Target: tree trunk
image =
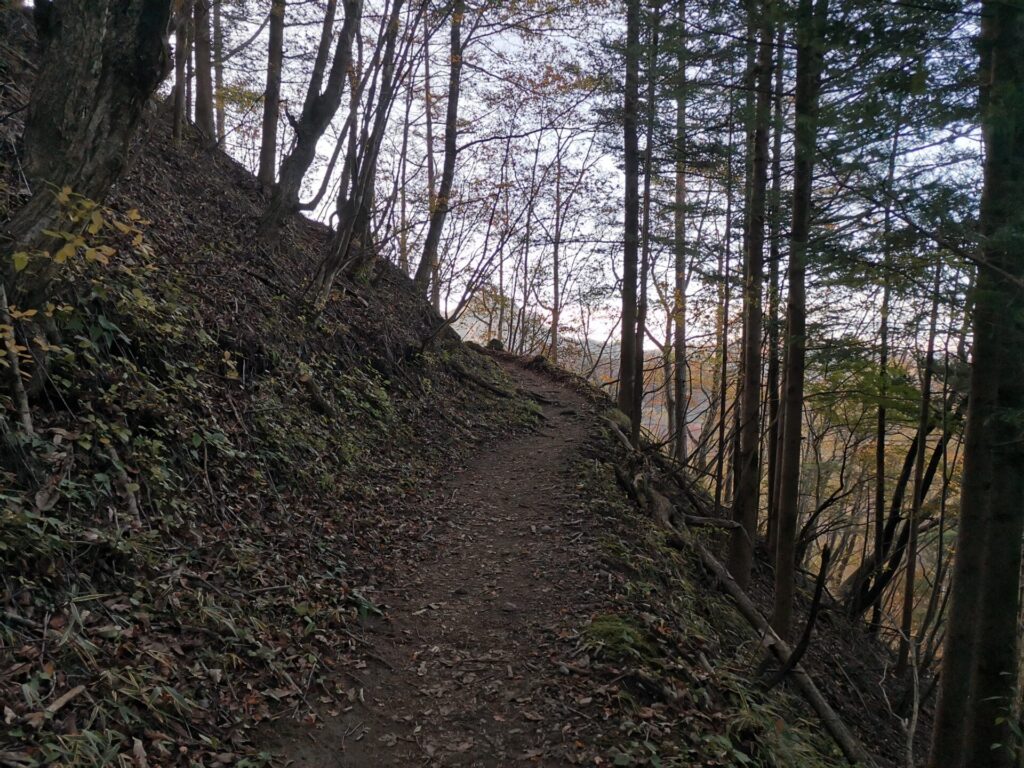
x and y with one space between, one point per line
441 204
724 297
973 724
182 45
810 21
102 61
403 214
748 488
679 355
637 409
204 71
628 375
428 104
774 261
218 70
556 297
924 417
352 246
318 109
272 96
883 378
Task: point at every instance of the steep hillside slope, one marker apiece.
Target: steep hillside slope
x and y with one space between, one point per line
218 542
215 473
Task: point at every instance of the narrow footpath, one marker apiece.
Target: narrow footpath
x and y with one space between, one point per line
465 669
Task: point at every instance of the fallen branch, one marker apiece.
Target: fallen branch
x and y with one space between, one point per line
844 739
59 703
710 522
617 434
805 638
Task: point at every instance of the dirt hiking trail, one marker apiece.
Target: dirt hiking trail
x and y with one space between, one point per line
465 668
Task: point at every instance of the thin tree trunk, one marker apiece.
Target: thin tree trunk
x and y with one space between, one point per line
352 246
218 69
723 325
442 202
631 210
182 44
318 109
774 261
556 303
636 411
428 103
403 216
883 378
679 355
272 96
810 21
924 417
748 488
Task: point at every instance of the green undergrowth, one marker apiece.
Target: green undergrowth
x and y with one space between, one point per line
677 658
193 525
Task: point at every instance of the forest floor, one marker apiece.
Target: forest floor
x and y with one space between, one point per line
466 669
349 550
532 619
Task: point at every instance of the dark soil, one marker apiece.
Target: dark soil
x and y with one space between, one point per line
465 670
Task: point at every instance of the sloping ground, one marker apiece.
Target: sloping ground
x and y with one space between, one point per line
541 620
217 475
240 523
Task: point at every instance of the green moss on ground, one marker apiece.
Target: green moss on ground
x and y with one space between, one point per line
675 659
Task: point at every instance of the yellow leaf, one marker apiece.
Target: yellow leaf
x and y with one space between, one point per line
94 254
20 260
96 222
134 215
66 252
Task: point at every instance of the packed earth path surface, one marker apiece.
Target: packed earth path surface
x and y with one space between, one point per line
468 668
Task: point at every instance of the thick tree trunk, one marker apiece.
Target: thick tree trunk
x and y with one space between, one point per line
972 725
441 203
272 96
748 488
102 61
204 71
810 21
628 375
